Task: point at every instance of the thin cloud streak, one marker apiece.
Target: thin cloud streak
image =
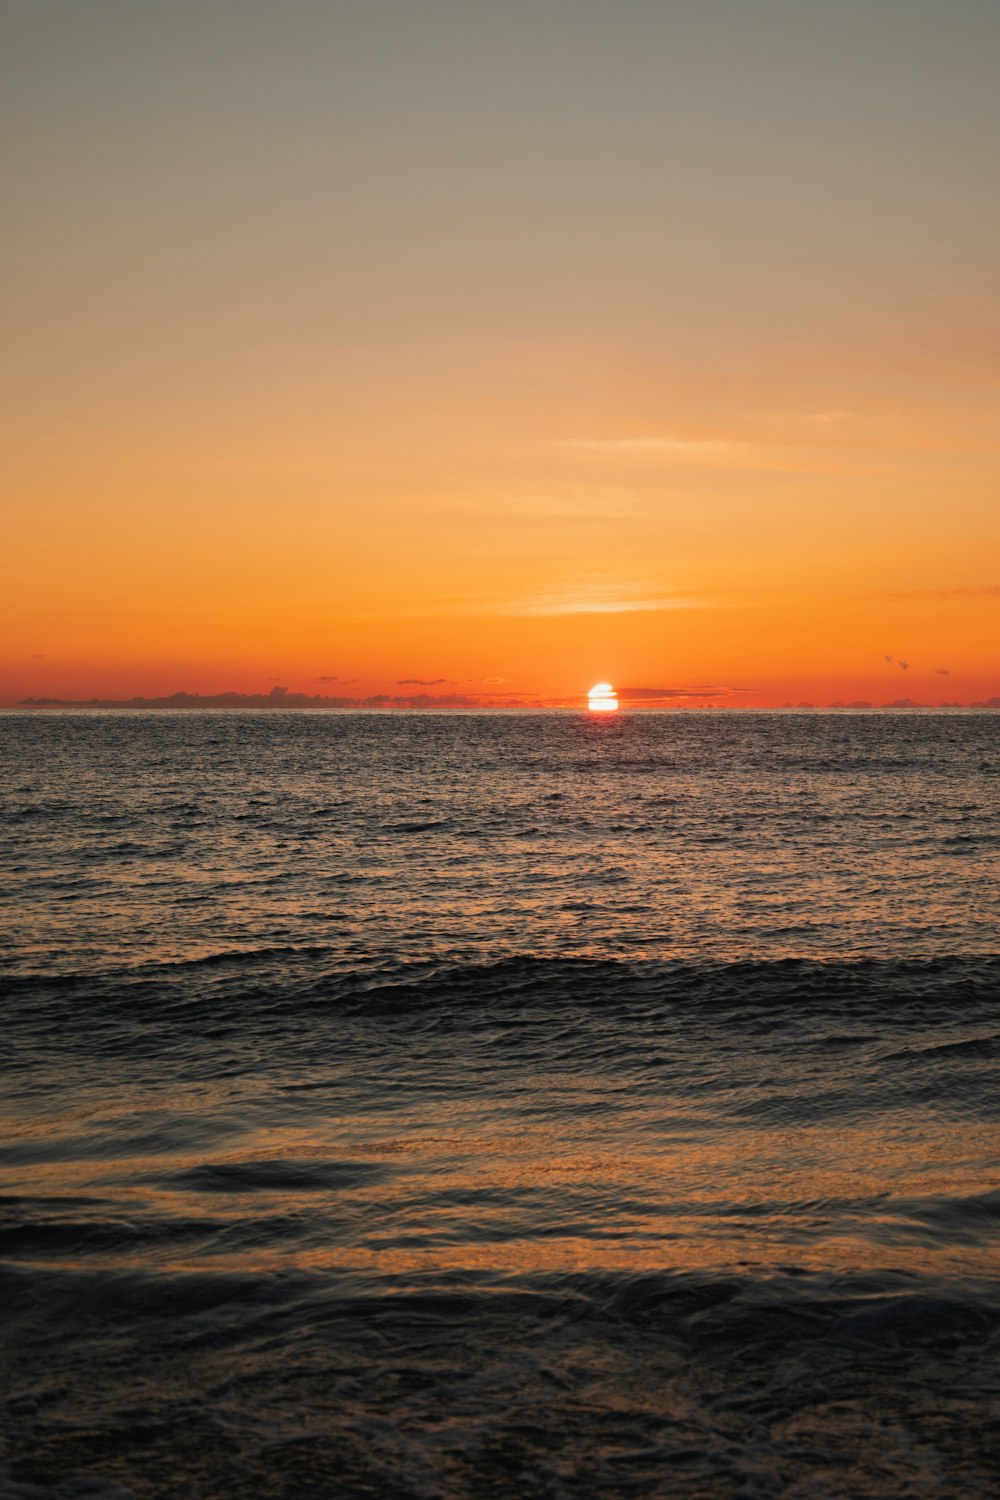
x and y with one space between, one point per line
640 447
596 599
987 591
635 695
584 599
734 454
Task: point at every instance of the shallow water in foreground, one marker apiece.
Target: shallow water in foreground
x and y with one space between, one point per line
526 1145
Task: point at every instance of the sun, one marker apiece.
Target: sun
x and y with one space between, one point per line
602 699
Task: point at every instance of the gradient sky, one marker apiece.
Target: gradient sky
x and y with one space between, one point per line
501 348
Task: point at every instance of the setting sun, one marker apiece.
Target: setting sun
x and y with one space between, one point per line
602 698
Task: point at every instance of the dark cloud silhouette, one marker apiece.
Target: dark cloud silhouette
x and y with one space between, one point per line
420 681
417 700
661 694
986 703
904 666
277 698
903 703
941 672
888 658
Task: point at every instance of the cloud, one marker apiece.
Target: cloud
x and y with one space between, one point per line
904 666
420 681
600 503
604 606
417 700
660 694
778 442
819 418
693 449
281 698
987 591
594 599
327 679
578 599
277 698
941 672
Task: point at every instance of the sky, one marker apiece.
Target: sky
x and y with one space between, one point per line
409 350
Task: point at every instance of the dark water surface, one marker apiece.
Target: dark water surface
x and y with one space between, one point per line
527 1105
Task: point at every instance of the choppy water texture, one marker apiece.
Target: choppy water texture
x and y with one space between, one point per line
523 1106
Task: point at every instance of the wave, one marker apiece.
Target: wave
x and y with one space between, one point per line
656 1384
290 975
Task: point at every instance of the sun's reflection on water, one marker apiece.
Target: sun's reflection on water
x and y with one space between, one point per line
460 1184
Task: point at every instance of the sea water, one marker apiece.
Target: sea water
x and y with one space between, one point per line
446 1105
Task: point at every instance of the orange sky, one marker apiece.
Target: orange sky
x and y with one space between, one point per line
432 345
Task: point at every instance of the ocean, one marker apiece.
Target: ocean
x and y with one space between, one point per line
499 1104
